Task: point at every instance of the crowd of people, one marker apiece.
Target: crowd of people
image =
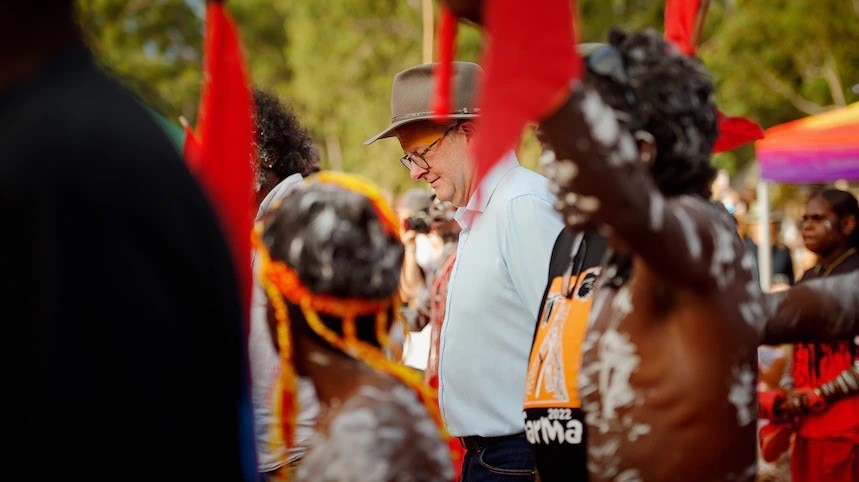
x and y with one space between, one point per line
601 322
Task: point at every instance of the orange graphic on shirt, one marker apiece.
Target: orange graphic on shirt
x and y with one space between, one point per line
553 368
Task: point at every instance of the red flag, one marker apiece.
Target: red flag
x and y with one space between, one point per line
225 139
682 19
735 131
529 61
191 148
680 16
443 71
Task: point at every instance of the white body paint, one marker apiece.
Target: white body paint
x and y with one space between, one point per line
564 172
657 212
618 361
588 204
743 395
376 436
602 121
722 263
693 242
319 358
627 149
546 158
628 475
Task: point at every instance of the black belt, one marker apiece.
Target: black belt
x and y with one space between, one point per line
476 442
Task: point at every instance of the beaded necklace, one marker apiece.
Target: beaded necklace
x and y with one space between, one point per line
824 271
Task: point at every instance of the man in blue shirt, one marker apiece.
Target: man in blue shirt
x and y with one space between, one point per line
508 229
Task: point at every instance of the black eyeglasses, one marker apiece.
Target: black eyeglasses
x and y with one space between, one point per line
408 159
607 61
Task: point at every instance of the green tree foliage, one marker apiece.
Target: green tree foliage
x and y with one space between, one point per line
333 60
779 60
344 54
154 46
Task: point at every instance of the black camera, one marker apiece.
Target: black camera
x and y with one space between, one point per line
419 223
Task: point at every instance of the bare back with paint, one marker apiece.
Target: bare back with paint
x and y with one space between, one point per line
669 368
669 364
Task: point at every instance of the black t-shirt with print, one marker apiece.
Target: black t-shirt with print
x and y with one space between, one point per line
554 422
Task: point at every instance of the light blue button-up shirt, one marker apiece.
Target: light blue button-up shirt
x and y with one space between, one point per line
508 229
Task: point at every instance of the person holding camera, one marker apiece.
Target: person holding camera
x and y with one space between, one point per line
413 209
442 232
423 250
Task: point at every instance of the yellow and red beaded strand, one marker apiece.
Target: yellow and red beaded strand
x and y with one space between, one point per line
387 216
280 281
376 359
272 274
285 403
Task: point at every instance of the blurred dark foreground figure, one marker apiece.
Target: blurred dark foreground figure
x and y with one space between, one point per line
119 298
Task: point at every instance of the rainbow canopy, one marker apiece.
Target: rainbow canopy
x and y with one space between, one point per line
819 148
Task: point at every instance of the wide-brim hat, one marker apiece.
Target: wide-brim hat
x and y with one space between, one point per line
412 92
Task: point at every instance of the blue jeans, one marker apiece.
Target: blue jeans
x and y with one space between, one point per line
504 461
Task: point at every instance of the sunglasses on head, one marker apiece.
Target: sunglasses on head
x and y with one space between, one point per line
607 61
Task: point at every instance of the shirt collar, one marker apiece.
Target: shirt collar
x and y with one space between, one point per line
481 196
278 192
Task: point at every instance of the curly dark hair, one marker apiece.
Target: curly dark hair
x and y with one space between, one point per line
672 99
843 204
282 145
333 239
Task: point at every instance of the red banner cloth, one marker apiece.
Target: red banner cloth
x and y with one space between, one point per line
529 62
443 71
680 17
191 150
221 159
735 131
